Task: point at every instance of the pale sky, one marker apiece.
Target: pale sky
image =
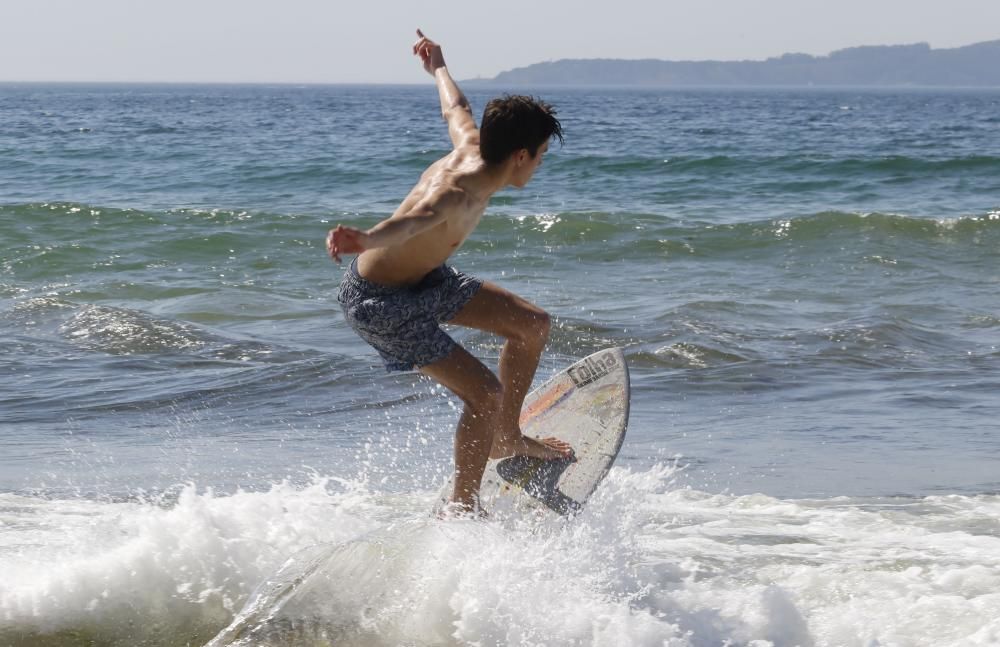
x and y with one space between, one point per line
368 41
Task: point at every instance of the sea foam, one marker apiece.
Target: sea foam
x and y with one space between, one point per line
645 563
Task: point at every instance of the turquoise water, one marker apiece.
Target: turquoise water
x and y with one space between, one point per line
804 283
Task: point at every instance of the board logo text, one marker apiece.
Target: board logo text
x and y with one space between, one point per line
592 369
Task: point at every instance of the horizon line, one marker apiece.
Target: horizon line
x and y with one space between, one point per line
483 79
492 82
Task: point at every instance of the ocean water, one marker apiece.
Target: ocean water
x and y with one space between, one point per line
804 282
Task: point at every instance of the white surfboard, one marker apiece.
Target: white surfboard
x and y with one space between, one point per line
587 406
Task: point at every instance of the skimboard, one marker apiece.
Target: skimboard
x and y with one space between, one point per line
587 406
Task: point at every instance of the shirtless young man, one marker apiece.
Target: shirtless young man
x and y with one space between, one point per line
398 291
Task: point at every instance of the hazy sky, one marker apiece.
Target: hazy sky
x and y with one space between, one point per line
333 41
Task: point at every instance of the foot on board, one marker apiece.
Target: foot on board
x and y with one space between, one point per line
546 448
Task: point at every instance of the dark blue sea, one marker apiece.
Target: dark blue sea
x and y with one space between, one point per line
805 284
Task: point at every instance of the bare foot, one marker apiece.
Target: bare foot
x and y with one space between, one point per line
546 448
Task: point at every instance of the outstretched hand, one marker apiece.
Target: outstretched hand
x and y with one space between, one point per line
345 240
429 52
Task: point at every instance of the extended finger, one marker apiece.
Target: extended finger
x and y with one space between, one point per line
420 42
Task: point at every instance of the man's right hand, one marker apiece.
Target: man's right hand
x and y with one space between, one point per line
429 53
345 240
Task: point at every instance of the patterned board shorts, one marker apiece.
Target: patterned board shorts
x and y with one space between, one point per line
404 323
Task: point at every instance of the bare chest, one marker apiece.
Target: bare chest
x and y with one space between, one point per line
460 225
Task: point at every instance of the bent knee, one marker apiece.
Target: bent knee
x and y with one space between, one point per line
533 325
544 324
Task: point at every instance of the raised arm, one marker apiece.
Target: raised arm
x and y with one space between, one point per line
454 106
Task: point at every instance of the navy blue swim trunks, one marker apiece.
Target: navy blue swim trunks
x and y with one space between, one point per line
404 323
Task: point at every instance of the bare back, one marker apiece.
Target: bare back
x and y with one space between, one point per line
448 185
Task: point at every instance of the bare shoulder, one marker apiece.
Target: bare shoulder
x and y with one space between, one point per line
446 197
449 176
444 187
465 158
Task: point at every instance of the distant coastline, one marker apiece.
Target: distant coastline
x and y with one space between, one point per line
917 65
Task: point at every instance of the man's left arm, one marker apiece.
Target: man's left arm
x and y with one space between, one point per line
455 107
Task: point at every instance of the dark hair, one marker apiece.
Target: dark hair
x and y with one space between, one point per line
513 122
